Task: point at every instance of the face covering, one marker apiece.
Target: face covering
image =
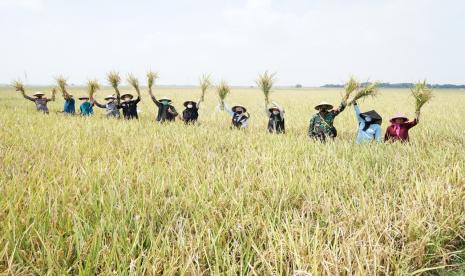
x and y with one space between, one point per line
239 112
368 119
190 106
165 103
275 112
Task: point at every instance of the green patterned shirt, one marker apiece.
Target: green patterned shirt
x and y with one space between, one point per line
319 129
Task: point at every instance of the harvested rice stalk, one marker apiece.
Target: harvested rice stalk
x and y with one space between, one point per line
370 90
114 79
223 90
92 87
205 83
265 82
422 94
18 85
151 78
134 82
62 84
350 87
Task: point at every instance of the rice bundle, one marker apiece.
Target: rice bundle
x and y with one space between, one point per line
151 77
92 87
134 82
205 83
18 85
350 87
265 82
422 94
62 83
370 90
223 90
114 79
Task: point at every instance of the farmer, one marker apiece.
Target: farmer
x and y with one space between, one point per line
86 106
369 125
111 106
400 125
166 111
321 124
276 118
69 105
240 116
129 106
40 100
191 113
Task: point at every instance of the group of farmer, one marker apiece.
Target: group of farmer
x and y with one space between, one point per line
321 126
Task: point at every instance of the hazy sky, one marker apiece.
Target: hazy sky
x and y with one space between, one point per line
311 42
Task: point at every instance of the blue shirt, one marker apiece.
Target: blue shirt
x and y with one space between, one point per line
86 108
372 133
69 106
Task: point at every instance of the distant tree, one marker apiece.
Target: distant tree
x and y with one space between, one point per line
298 85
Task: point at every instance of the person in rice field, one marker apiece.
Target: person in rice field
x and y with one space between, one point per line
111 106
240 116
40 101
275 115
69 105
129 106
166 111
86 107
321 124
369 125
191 112
399 128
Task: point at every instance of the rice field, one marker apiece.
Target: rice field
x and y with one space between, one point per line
100 196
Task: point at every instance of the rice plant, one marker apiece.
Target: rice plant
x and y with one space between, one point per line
134 82
62 85
92 87
265 83
18 85
369 90
422 94
205 83
223 91
151 78
351 86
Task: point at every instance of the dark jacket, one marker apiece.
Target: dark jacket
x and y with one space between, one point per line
163 114
129 108
276 124
190 115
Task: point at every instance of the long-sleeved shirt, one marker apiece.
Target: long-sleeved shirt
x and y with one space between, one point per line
165 112
86 108
111 109
321 125
275 122
41 103
69 106
238 120
399 132
373 132
130 108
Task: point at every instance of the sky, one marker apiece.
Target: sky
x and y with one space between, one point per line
308 42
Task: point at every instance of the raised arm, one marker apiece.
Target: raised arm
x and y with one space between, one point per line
341 108
267 112
357 113
378 134
228 109
98 104
199 102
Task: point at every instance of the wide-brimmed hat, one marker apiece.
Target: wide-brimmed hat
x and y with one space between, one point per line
237 106
272 107
83 98
330 106
38 93
164 98
189 102
373 115
399 116
130 96
110 97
